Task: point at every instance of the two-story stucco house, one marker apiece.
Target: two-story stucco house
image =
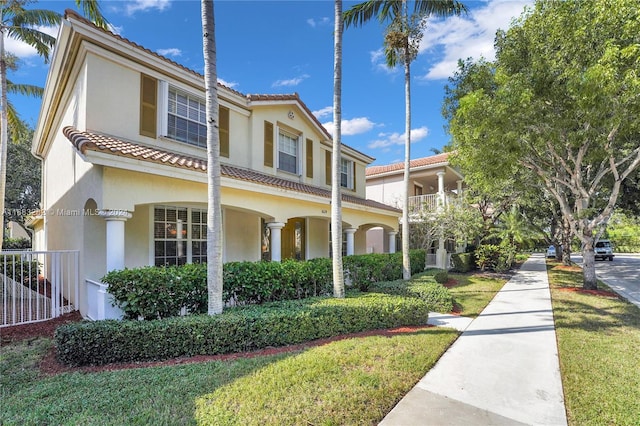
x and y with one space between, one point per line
433 182
121 136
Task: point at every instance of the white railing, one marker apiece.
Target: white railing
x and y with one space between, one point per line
100 302
37 285
429 202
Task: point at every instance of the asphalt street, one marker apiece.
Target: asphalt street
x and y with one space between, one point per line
622 275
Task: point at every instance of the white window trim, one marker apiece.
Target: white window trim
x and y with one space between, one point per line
163 108
350 176
299 138
188 240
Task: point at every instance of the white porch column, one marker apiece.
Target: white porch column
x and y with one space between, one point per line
441 255
115 237
350 240
392 241
441 187
276 240
459 187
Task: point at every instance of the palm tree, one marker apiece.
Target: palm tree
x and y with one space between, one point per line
402 39
19 23
336 201
14 123
214 210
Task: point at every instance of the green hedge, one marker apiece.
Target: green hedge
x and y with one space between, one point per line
463 262
154 293
436 296
235 330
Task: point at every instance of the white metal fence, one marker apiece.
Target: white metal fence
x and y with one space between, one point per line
37 285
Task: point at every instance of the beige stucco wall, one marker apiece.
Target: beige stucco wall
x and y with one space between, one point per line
241 235
317 237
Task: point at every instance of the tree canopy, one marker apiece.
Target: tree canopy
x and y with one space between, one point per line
561 100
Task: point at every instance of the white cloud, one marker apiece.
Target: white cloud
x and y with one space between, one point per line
354 126
229 84
469 35
379 62
324 112
315 22
144 5
386 140
23 50
172 51
291 82
114 29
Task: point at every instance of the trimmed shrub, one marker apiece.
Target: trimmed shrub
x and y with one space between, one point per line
436 296
16 244
463 262
441 276
237 329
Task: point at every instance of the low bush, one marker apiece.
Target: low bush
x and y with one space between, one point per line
441 276
436 296
16 244
497 258
237 329
463 262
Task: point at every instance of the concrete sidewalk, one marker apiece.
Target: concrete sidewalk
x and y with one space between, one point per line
503 370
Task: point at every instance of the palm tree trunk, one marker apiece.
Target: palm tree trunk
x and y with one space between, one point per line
336 198
4 133
406 265
214 209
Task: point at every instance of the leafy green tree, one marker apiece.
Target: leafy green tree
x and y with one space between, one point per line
401 43
214 207
563 105
23 189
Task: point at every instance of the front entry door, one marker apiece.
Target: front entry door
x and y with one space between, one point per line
293 239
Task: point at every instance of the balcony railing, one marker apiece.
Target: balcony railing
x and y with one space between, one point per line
428 203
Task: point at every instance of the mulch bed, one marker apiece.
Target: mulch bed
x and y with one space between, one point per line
600 293
451 282
568 268
50 365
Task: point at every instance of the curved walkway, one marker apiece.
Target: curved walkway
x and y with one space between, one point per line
502 370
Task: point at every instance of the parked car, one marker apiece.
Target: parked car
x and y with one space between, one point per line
604 250
551 251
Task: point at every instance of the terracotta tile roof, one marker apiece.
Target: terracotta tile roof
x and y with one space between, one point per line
89 141
418 162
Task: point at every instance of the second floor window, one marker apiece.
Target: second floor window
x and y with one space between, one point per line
186 119
288 152
346 174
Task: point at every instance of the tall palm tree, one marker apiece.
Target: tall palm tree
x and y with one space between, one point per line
14 123
336 198
402 38
21 24
214 209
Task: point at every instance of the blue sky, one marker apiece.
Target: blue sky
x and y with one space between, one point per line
272 47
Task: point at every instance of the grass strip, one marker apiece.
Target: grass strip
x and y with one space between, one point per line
474 292
599 348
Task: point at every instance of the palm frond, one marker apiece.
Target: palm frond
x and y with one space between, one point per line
91 10
35 18
15 125
24 89
361 13
439 8
39 40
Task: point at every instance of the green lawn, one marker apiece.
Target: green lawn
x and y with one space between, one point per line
357 380
599 346
474 292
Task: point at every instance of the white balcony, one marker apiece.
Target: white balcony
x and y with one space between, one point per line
428 203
